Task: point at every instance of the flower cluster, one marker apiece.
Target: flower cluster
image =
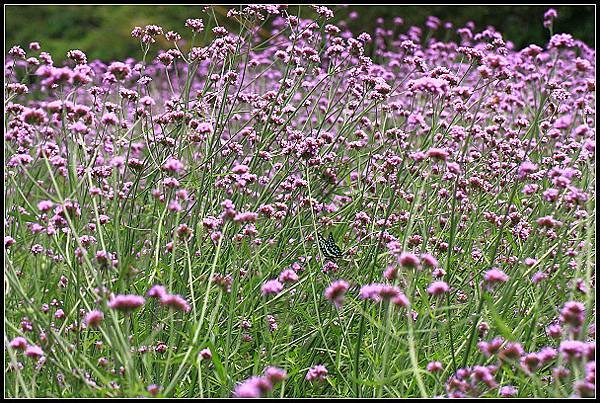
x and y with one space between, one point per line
456 169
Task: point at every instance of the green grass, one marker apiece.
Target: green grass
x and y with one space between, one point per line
370 350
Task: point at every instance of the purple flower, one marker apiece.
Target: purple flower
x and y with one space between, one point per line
584 388
336 291
255 386
275 375
508 391
19 343
429 260
153 389
271 287
45 205
34 351
94 318
390 272
435 86
437 153
175 302
195 24
573 313
435 366
318 372
526 168
371 291
550 14
157 291
437 288
547 354
490 348
205 354
246 216
408 260
9 241
126 302
288 275
401 300
379 292
494 276
561 41
572 349
554 331
330 266
173 165
530 362
511 351
119 70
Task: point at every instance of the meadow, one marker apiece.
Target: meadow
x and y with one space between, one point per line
317 213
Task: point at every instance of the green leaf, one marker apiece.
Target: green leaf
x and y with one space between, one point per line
502 327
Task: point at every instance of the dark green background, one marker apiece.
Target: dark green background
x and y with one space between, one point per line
104 31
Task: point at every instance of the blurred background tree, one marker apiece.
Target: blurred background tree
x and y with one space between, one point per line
103 32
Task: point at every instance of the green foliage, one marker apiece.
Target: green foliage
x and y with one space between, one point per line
370 350
103 32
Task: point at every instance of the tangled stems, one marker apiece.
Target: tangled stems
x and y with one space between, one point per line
174 206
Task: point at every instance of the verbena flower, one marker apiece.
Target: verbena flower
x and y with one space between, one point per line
94 318
336 291
126 302
19 343
437 288
271 287
316 373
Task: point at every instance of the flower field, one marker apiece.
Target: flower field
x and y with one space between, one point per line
295 210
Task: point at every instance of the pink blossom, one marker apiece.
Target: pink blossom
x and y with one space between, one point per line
288 275
173 165
126 302
335 292
205 354
434 366
408 260
19 343
495 276
34 351
94 318
437 288
318 373
271 287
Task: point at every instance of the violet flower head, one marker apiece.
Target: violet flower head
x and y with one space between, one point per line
429 260
255 386
437 288
126 302
153 389
494 277
173 165
275 375
288 276
34 351
526 168
19 343
508 391
336 291
94 318
316 373
205 354
435 366
271 287
156 291
408 260
573 314
176 302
